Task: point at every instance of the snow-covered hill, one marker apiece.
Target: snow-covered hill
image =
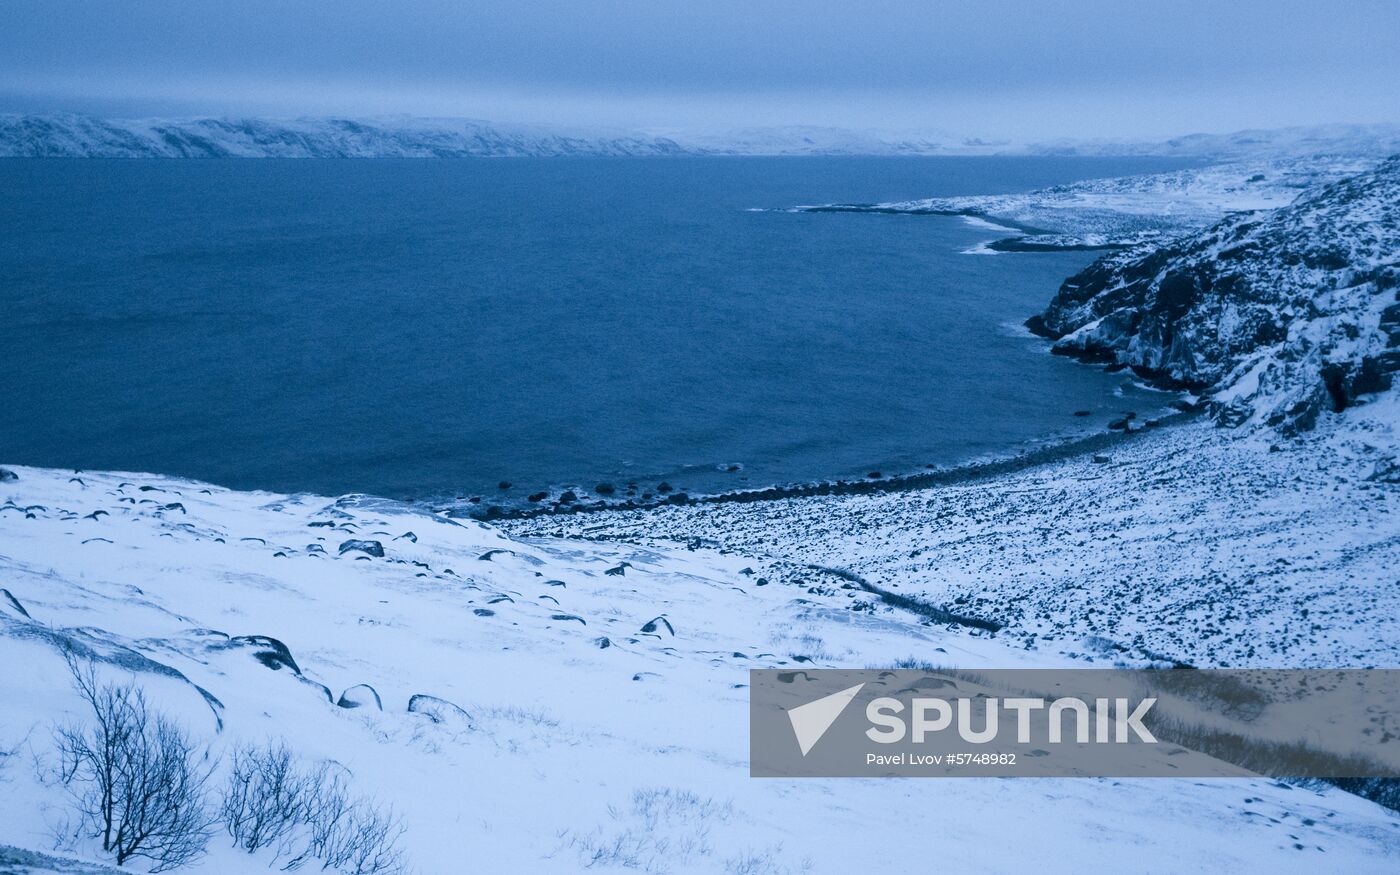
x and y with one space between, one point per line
1248 145
1279 315
598 713
79 136
76 136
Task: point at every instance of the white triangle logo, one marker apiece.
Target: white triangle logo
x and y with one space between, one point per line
811 721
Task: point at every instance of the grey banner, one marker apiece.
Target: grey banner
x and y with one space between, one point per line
1075 722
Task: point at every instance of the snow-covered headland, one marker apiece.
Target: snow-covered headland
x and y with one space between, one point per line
568 690
1124 211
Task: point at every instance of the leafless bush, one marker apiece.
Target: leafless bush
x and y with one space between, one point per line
308 814
135 777
364 840
266 797
663 829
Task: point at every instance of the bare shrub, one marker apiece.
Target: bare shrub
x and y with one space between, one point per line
135 777
664 828
266 796
308 814
364 840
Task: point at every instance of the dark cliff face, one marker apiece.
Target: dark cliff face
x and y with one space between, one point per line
1277 316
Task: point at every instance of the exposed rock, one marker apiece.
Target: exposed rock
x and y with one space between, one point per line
605 489
653 625
9 602
360 696
373 548
269 651
1387 470
8 476
438 710
1278 316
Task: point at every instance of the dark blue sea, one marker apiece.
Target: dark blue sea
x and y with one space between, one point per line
430 328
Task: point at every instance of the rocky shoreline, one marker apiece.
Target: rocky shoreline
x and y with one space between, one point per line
1268 542
1118 430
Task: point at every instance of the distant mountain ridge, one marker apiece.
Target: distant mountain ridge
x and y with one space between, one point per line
74 136
81 136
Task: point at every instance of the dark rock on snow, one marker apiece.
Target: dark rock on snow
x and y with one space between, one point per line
373 548
437 710
269 651
653 625
360 696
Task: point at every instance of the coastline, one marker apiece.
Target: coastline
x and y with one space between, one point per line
1188 544
531 645
977 469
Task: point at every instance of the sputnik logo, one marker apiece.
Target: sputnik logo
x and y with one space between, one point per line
811 721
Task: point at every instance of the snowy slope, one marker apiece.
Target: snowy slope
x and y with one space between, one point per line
630 756
1210 547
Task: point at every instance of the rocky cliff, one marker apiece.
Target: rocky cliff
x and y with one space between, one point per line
1277 316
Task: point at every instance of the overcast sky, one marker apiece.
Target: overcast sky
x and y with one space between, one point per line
996 68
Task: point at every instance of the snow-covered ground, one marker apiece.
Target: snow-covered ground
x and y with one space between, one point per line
1183 542
631 755
1127 210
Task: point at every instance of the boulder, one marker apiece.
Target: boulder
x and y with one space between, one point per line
653 625
373 548
269 651
360 696
439 711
